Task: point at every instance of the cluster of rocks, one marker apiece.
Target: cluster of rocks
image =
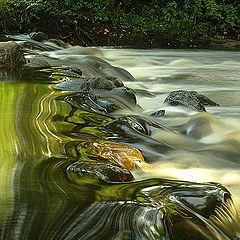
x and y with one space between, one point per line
104 92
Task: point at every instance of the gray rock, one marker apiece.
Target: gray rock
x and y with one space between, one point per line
190 99
36 61
11 55
93 84
72 85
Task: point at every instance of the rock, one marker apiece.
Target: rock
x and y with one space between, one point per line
70 71
158 113
37 61
38 36
151 209
100 83
104 171
106 160
11 55
119 154
71 85
190 99
92 66
122 97
99 94
103 102
93 84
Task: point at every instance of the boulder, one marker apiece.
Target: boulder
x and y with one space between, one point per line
11 55
38 36
190 99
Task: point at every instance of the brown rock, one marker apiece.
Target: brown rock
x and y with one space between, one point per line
11 55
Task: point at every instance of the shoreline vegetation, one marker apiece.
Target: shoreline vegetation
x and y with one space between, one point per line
213 24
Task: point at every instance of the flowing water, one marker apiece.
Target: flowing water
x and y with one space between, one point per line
39 136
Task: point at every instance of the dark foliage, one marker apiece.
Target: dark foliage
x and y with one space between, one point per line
179 22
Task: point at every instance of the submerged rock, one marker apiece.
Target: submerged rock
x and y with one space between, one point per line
151 209
104 171
190 99
11 55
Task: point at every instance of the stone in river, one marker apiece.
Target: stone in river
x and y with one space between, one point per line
11 55
189 99
104 171
116 153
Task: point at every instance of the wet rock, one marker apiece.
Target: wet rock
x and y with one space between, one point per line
104 94
105 159
92 66
190 99
37 61
105 172
200 125
93 84
104 102
169 209
69 71
11 55
104 83
97 82
71 85
90 102
119 154
38 36
158 113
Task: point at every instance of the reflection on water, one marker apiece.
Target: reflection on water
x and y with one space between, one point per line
42 136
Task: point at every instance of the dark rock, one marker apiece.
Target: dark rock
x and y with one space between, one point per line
38 36
70 71
152 209
11 55
100 83
190 99
104 171
158 113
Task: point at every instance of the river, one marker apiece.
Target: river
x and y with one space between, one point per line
39 137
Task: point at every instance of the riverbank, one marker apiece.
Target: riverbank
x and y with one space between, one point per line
147 24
